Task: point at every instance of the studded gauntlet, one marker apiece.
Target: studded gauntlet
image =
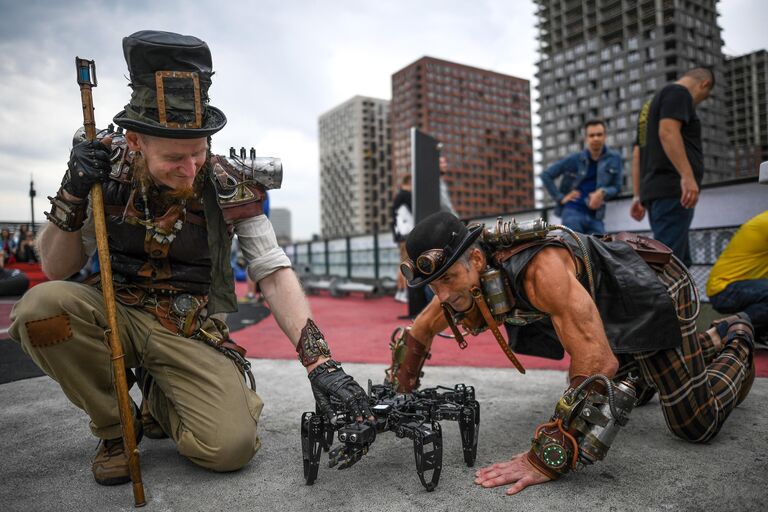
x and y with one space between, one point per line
408 374
312 345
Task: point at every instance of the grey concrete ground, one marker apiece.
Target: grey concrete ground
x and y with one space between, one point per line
46 448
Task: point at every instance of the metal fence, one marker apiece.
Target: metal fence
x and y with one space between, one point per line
376 257
722 208
366 257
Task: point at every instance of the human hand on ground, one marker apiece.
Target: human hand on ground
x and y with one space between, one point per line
517 471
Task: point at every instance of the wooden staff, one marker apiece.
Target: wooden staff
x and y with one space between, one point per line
86 78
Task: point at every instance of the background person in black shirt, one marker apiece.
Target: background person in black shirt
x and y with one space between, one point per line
673 165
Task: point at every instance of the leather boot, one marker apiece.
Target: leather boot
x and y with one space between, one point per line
110 465
739 327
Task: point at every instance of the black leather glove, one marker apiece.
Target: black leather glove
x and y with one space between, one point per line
329 381
88 164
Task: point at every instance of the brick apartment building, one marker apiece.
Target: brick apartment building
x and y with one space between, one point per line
483 119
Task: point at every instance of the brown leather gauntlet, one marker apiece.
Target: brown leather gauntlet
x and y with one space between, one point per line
554 451
67 215
410 369
312 345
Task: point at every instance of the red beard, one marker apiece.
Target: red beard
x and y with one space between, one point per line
168 195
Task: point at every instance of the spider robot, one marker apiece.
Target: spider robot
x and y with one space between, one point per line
414 415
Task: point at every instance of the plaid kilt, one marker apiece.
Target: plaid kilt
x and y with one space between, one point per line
698 388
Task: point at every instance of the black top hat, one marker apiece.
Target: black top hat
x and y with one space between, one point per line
170 77
434 245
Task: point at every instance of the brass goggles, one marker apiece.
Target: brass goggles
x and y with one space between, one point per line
427 263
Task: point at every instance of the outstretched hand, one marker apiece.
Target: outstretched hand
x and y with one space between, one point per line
517 471
329 381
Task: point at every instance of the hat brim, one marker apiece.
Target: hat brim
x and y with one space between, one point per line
469 239
213 121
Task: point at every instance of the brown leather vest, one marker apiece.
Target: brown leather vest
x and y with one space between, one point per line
636 310
187 265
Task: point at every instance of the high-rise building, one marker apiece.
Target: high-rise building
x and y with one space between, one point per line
281 223
605 58
355 168
747 102
483 120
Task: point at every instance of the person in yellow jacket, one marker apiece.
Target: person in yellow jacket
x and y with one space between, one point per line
739 278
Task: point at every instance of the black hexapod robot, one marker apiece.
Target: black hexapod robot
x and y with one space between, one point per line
414 415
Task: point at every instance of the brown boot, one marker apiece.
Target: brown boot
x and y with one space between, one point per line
110 465
740 327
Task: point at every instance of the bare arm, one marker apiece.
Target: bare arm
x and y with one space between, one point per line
429 322
637 210
672 142
283 293
636 170
552 287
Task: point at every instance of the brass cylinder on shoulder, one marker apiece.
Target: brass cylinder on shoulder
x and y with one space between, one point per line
492 283
505 234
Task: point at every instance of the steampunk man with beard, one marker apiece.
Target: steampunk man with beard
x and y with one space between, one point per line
171 211
624 311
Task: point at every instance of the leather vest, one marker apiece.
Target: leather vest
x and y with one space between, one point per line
188 263
636 310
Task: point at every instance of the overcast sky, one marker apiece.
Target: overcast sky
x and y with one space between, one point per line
279 65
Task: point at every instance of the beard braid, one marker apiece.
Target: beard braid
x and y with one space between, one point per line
168 195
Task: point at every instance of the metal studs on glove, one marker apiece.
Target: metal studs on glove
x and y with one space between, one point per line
329 382
89 163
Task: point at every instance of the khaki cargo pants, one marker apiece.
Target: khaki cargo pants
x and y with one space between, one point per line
198 396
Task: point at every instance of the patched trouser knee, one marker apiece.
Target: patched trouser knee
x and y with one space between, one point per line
199 396
61 325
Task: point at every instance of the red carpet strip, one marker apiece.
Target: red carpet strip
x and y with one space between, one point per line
358 331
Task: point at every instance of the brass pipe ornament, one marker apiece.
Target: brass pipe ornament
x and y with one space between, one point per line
267 171
506 234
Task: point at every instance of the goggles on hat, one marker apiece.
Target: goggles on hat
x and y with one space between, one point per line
427 263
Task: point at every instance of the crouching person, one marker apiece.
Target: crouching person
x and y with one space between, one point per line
171 210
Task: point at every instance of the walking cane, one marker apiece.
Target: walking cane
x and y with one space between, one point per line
86 78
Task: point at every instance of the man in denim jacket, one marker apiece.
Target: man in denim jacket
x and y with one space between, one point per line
589 178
